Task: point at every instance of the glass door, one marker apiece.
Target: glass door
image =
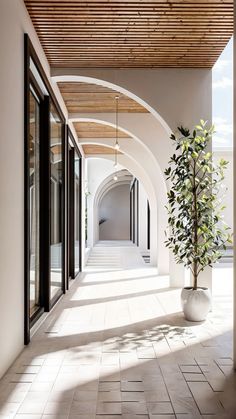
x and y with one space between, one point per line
134 212
56 204
34 201
77 210
74 207
44 193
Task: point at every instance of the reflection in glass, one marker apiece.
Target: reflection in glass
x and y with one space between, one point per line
55 202
77 212
34 204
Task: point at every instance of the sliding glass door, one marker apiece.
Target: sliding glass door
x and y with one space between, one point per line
77 210
34 201
74 207
134 212
56 203
44 193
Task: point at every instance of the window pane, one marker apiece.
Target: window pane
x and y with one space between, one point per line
77 212
55 201
34 204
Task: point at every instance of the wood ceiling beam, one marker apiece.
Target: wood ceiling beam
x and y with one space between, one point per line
134 33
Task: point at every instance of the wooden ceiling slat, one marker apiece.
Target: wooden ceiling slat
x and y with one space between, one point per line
96 130
138 33
85 98
97 149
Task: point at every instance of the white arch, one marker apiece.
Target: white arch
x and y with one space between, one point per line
110 183
137 151
150 133
133 167
113 86
126 147
105 186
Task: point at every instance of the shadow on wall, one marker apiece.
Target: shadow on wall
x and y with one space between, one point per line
114 212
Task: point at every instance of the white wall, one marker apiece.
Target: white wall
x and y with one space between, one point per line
14 21
115 209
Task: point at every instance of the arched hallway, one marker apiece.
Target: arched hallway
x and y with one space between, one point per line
92 95
117 346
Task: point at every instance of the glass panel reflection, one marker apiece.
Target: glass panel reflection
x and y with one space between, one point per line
34 204
77 212
55 202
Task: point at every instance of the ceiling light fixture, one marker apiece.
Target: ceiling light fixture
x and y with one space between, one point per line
117 145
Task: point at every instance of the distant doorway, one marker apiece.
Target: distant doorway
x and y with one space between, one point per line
114 214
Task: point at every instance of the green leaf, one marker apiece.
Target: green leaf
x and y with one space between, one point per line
196 232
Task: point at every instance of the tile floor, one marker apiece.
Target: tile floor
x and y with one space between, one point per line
117 346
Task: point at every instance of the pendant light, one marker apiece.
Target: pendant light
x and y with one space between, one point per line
117 145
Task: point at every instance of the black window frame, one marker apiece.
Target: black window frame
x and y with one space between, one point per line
72 272
45 303
51 301
134 212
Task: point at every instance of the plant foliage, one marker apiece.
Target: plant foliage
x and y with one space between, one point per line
197 233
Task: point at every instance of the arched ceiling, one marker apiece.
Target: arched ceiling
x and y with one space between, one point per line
89 97
94 149
132 34
96 130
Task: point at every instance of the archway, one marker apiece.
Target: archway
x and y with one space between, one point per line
148 132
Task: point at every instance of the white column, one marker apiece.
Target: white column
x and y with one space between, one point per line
177 273
205 278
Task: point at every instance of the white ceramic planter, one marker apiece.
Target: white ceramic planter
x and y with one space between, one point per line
195 303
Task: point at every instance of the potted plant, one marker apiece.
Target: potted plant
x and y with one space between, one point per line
197 234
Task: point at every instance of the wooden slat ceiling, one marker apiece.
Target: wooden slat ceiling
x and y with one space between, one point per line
98 149
133 33
96 130
84 97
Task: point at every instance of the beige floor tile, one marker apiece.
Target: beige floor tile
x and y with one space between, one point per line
91 416
60 396
109 386
122 346
135 416
78 407
85 396
56 416
185 405
132 386
32 407
158 395
53 408
190 369
133 396
22 416
9 408
205 398
163 417
137 408
105 408
160 408
109 396
194 377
